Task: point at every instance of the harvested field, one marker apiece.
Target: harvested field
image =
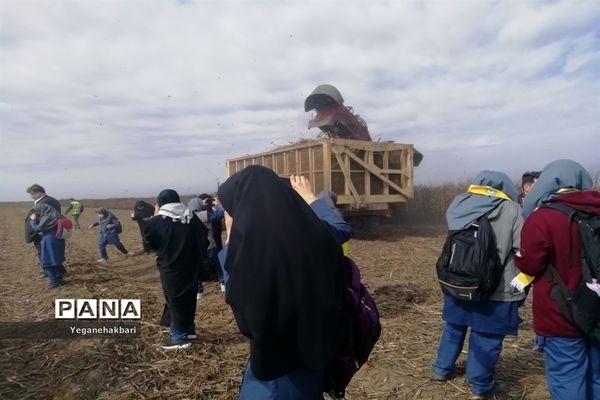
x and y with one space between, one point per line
398 267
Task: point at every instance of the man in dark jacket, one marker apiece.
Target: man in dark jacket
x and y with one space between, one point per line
38 194
547 238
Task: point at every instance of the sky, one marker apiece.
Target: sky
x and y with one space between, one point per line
106 99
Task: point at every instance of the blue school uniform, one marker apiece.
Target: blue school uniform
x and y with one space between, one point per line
52 255
490 321
106 237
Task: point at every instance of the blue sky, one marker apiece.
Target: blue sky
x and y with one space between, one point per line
107 99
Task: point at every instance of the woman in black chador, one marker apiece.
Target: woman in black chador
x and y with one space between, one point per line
179 240
286 285
142 212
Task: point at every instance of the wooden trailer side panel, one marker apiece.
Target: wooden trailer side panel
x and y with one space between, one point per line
364 175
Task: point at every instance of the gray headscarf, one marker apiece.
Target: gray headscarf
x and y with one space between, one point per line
47 217
196 204
559 174
107 217
466 208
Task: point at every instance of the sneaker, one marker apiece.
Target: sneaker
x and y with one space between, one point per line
338 396
442 378
192 336
199 295
499 389
56 284
102 260
222 287
176 345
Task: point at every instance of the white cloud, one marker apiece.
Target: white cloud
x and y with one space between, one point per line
88 89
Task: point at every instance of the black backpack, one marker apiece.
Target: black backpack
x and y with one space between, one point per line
469 267
117 226
582 306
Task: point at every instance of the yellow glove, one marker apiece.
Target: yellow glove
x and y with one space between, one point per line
521 281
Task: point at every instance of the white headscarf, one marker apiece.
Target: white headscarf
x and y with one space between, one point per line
176 211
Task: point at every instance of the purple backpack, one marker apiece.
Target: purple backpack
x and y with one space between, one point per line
361 328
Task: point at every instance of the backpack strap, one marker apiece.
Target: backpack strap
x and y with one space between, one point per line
563 297
588 269
570 211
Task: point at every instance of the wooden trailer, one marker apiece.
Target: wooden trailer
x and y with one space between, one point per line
366 176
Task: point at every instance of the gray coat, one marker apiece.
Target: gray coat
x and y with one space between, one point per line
506 221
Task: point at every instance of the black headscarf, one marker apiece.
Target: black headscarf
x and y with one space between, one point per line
286 286
142 211
144 207
167 196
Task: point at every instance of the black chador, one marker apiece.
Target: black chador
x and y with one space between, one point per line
286 286
180 241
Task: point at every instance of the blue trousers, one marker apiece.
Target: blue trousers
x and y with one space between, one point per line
484 351
222 256
104 254
54 273
572 368
213 259
296 385
182 335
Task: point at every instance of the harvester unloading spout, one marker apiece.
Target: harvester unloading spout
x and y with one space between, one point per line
337 120
333 117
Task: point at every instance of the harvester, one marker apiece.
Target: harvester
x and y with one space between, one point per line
337 120
367 176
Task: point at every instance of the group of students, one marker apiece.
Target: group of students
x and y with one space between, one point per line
283 271
43 222
284 277
43 228
211 215
529 240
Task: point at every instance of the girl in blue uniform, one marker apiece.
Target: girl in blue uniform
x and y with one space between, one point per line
493 318
109 233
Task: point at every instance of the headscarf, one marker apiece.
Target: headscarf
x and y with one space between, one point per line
171 206
144 207
468 207
556 176
107 217
47 217
286 286
196 204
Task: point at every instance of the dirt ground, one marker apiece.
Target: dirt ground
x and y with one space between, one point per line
398 266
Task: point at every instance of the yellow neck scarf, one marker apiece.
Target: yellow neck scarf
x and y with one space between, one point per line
487 191
567 190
